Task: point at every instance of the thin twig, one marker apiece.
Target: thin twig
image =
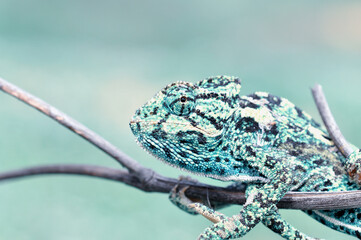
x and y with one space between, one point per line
292 200
330 122
71 124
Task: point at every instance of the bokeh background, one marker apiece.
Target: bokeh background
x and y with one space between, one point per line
100 60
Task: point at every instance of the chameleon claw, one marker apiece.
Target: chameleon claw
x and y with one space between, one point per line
207 212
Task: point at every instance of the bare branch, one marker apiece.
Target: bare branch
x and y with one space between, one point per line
292 200
330 122
72 125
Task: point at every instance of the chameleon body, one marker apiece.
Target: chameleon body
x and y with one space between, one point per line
208 128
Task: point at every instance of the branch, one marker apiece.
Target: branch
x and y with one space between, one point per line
292 200
150 181
71 124
330 122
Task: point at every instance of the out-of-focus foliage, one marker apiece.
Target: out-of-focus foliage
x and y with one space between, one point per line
100 60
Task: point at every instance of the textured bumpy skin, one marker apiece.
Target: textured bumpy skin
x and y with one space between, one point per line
208 128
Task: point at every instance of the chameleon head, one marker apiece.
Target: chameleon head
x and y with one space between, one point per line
183 124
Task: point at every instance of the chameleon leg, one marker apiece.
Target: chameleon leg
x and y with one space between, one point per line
208 213
178 198
275 222
257 206
353 166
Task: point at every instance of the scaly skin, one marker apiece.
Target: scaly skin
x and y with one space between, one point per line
209 129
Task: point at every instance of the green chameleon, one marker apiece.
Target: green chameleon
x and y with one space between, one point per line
266 141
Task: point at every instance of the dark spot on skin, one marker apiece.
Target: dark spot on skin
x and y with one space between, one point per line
250 151
155 111
273 99
269 162
295 152
239 124
358 216
194 150
245 104
337 170
209 80
183 154
211 150
208 170
250 125
226 160
206 159
182 164
358 234
322 221
273 130
327 137
180 134
167 152
221 171
181 110
151 146
225 148
218 159
138 126
185 141
300 168
196 161
239 159
299 112
162 121
218 137
201 139
340 213
319 162
254 96
191 121
328 183
206 96
211 119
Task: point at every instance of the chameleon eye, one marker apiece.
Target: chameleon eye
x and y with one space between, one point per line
180 100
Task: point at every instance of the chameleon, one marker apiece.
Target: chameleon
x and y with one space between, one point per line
210 129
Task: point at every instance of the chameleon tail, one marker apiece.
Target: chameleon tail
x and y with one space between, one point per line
346 220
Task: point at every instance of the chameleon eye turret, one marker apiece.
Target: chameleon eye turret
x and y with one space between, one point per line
180 100
208 128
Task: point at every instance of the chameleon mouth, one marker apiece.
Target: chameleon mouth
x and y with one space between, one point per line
139 122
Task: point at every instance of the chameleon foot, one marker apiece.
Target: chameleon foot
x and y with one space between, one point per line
353 166
207 212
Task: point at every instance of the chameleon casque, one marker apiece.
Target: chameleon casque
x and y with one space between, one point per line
208 128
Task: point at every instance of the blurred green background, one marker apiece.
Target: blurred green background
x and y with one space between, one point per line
100 60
